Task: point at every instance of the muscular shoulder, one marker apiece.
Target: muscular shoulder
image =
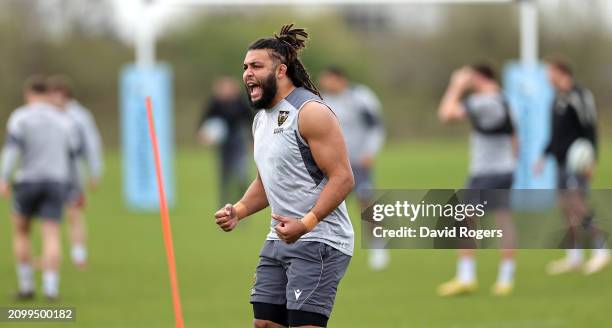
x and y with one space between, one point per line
316 119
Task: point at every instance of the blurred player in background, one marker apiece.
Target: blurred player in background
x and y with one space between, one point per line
40 140
304 176
493 149
574 117
358 111
89 153
225 121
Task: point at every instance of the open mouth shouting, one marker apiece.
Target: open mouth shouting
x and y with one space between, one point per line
255 90
261 92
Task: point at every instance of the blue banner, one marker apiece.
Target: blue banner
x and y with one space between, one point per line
530 95
139 178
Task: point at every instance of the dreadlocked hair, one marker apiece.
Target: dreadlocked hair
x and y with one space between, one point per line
284 48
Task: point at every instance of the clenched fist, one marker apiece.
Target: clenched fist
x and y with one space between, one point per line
289 230
226 218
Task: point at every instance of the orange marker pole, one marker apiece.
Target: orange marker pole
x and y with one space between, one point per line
165 220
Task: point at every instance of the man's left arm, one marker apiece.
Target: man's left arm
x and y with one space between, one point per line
588 118
320 128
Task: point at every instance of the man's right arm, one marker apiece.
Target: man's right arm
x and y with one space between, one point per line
10 156
538 166
451 109
253 201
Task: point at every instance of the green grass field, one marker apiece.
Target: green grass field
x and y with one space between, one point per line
127 281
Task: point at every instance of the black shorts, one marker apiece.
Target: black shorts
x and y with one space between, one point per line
296 284
492 188
43 199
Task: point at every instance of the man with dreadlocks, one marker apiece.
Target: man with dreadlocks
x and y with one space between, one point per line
304 176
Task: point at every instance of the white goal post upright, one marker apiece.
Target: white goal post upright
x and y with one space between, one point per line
528 17
145 38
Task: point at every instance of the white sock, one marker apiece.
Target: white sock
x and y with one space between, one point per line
79 254
466 269
506 272
50 283
575 255
25 277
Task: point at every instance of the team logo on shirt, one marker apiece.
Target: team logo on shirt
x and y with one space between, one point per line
282 117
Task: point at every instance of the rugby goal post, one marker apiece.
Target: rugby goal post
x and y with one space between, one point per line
524 80
145 38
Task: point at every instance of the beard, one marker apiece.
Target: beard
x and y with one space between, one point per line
268 92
